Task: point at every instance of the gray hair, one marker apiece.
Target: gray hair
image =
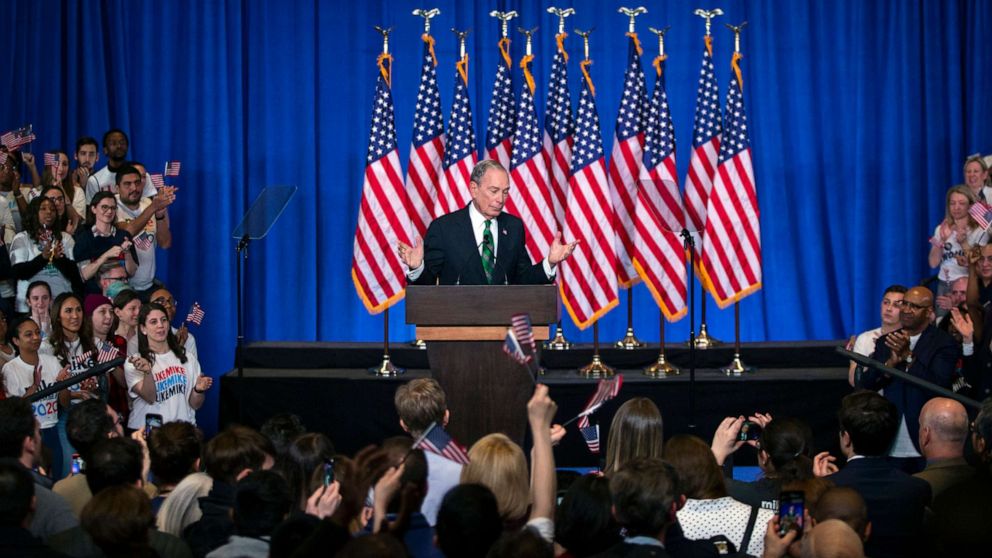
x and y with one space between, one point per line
182 508
482 167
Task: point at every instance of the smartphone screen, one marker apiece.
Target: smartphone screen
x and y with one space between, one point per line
328 471
790 511
152 422
77 464
750 431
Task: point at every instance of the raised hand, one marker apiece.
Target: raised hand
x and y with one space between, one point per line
725 440
560 251
898 344
962 323
412 256
203 383
823 464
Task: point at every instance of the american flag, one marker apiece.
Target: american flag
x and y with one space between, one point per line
158 181
588 281
513 347
502 111
172 168
439 442
376 269
530 195
658 253
981 213
459 150
705 147
52 160
107 353
590 433
79 360
559 130
731 263
143 241
427 147
606 389
196 314
15 139
524 331
625 161
3 157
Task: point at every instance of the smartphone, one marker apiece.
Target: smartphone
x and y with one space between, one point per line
328 471
791 504
152 422
750 431
77 464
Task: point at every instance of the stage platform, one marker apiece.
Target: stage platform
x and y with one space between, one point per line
327 385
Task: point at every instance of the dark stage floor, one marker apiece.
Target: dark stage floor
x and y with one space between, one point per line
327 386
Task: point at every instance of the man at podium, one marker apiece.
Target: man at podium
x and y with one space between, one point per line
479 244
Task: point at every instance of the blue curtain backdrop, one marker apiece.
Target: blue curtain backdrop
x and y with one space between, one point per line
861 115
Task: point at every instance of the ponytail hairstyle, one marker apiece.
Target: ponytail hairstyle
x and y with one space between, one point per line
788 443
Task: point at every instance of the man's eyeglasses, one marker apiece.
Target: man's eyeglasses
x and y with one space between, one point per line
164 301
913 306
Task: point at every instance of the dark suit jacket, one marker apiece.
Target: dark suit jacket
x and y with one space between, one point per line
451 256
896 505
934 358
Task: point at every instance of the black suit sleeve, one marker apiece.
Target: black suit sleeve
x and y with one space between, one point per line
433 255
873 379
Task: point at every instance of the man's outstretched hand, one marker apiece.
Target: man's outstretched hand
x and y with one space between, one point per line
559 251
412 256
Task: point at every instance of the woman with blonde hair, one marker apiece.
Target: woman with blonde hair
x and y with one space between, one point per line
976 178
496 462
636 431
953 238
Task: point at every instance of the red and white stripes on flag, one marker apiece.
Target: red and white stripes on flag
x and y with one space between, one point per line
107 353
731 263
376 269
559 130
158 181
625 161
196 314
659 256
588 279
606 389
502 110
530 195
459 150
427 146
172 168
705 148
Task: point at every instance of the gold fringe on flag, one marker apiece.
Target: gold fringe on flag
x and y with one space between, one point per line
504 49
430 45
637 43
382 62
708 39
560 41
657 63
527 75
584 66
462 67
735 64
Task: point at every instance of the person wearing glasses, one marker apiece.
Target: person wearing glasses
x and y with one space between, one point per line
100 242
922 350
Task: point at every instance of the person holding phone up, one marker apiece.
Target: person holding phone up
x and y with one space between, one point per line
161 378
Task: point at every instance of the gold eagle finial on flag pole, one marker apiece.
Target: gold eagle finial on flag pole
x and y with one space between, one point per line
708 15
661 38
562 14
504 19
427 15
632 13
737 34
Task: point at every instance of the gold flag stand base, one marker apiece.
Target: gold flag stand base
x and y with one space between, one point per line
386 369
736 367
558 343
596 369
630 341
704 340
419 343
661 368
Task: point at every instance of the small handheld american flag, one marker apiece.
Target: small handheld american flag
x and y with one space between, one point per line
196 314
81 359
3 157
982 214
158 181
512 347
437 441
607 389
107 353
52 160
524 331
143 241
172 168
14 139
591 435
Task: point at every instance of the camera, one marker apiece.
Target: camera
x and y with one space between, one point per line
750 431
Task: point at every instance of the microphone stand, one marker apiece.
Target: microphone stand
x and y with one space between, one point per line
241 256
689 244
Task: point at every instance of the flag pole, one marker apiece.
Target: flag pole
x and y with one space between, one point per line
596 369
661 368
630 341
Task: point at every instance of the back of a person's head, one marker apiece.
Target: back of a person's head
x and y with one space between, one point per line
468 521
16 493
788 443
584 522
88 423
17 423
525 543
281 429
420 402
636 431
113 462
261 502
700 476
380 545
832 539
174 450
498 463
870 420
182 507
843 503
304 456
290 535
118 520
399 449
644 492
233 451
983 429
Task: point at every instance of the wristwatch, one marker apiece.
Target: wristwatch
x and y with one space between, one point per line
909 359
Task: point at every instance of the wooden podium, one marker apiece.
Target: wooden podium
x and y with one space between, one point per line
464 327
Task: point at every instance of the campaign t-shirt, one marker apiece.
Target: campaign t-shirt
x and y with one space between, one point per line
105 180
174 382
144 241
24 249
79 361
18 377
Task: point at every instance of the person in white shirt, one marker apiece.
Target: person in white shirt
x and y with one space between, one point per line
87 154
76 206
162 378
43 252
147 221
952 238
864 344
115 146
